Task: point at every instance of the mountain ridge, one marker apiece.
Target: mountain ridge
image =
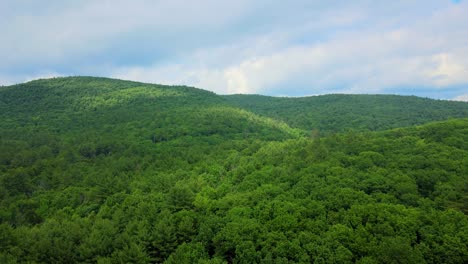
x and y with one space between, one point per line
327 113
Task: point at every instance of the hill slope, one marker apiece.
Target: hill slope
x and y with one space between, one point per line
338 112
75 104
109 171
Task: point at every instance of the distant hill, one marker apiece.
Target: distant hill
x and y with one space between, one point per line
72 103
338 112
78 105
95 117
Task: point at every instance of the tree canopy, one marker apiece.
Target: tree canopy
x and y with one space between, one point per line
96 170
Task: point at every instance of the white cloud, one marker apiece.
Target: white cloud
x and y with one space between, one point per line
363 47
449 70
430 52
87 27
463 97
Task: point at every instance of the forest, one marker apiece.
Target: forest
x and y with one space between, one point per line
98 170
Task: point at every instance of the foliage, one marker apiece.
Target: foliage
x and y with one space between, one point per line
339 112
109 171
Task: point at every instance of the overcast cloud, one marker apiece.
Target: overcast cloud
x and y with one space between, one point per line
290 48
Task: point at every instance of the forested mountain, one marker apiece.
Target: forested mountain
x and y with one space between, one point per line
81 104
339 112
96 170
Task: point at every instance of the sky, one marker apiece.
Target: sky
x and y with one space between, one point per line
279 48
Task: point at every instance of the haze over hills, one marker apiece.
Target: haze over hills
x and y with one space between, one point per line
109 171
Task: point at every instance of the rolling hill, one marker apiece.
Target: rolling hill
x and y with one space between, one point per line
339 112
97 170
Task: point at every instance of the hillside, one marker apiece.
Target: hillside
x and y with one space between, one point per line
74 104
96 170
339 112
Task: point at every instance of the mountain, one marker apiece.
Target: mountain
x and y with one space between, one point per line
74 104
99 116
339 112
97 170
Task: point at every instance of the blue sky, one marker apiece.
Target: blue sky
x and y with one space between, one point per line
285 48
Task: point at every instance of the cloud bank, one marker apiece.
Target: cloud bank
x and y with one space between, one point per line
296 48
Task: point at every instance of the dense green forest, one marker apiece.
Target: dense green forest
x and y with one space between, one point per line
96 170
340 112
